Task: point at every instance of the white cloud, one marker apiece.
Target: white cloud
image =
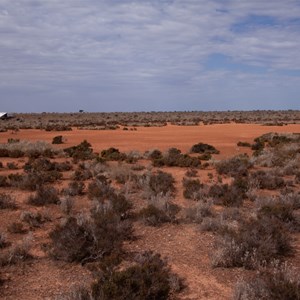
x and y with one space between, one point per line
156 46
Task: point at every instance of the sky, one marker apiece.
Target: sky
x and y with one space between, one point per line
155 55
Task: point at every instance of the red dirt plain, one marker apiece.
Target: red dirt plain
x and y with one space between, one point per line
223 136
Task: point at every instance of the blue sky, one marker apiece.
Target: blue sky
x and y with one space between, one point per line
110 55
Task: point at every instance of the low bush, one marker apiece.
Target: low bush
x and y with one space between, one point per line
113 154
75 188
67 205
44 196
192 188
200 212
191 172
83 151
279 282
12 166
3 240
267 180
149 278
58 140
236 167
7 202
3 181
204 148
17 253
153 216
174 158
254 243
243 144
91 239
161 183
16 227
34 219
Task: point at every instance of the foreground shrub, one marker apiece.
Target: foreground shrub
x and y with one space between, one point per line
279 282
149 278
254 243
90 239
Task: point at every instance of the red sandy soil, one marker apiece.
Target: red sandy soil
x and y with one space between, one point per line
223 136
187 249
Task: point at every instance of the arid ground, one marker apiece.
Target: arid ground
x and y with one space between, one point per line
187 248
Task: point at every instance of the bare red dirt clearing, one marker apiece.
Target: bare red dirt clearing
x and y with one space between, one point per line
223 136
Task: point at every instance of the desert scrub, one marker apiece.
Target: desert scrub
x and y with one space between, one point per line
267 180
235 167
161 183
83 151
113 154
44 196
255 242
34 219
204 149
90 239
280 281
198 213
173 158
7 202
74 188
17 253
3 240
26 148
149 278
58 140
192 188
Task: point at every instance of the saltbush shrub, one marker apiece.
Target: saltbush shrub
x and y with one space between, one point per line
191 188
236 166
44 196
149 278
7 202
161 183
204 148
256 242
